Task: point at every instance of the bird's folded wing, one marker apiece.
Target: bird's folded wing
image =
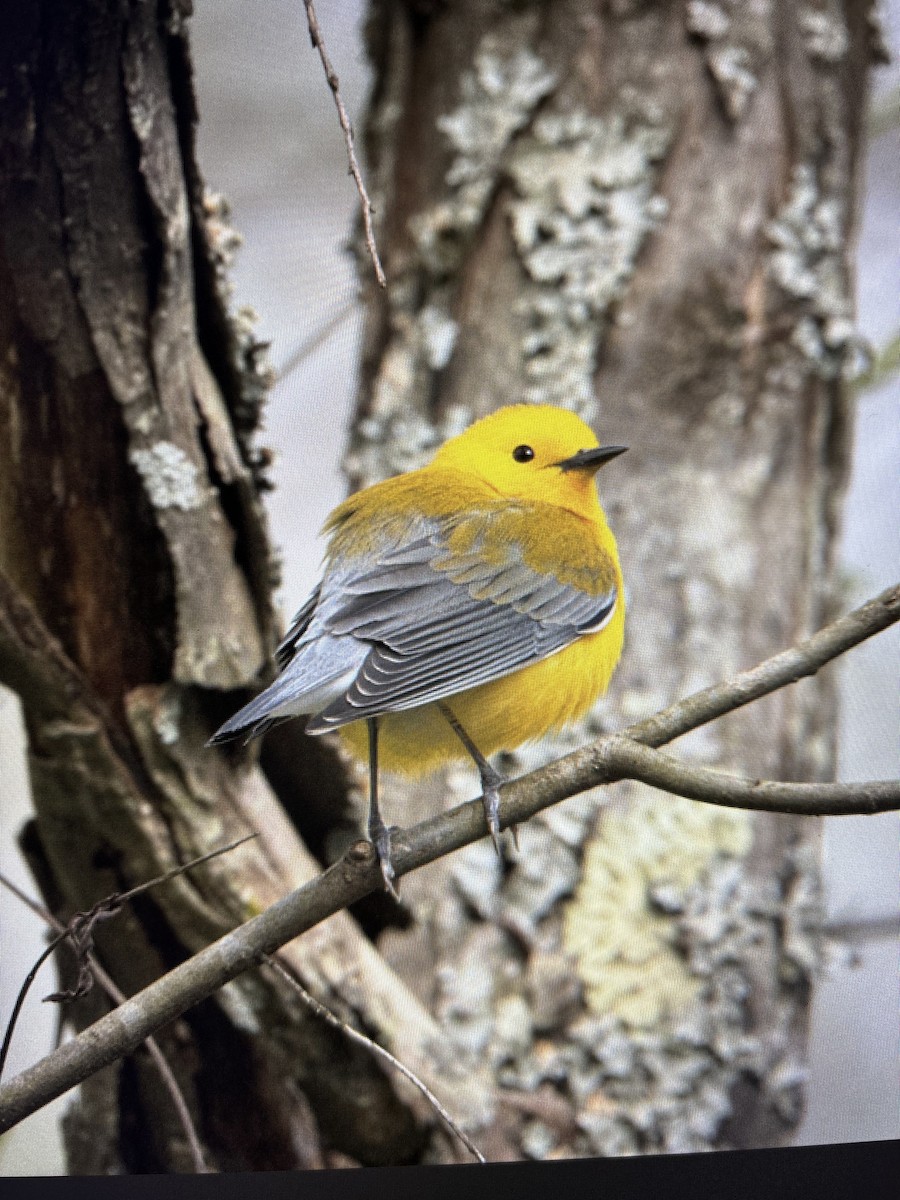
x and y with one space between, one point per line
440 623
298 627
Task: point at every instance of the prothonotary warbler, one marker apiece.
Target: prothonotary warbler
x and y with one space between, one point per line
465 607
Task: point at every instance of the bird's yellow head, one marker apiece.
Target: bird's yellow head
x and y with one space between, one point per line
532 452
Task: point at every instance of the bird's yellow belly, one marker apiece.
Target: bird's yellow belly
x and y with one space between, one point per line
500 715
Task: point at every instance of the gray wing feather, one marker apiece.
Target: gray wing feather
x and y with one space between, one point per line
433 632
299 625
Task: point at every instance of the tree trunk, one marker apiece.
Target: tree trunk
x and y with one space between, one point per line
135 581
642 211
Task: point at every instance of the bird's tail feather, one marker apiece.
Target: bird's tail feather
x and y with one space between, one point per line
311 681
249 722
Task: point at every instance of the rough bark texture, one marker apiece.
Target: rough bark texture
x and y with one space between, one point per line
642 211
135 580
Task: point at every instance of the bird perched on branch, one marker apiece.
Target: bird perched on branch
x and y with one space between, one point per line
465 607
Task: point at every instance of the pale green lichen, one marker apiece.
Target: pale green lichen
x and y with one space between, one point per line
638 869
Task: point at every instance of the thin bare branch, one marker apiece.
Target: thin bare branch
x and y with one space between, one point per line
315 34
121 897
118 997
628 759
79 933
865 929
357 873
286 973
799 662
316 339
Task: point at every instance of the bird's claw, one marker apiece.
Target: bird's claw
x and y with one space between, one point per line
380 836
490 797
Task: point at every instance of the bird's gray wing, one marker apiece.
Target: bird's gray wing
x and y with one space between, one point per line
298 627
439 625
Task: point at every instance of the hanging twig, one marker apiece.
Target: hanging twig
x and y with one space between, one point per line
315 34
118 997
290 976
358 873
26 985
79 933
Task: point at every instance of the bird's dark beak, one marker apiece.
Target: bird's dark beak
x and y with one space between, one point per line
591 460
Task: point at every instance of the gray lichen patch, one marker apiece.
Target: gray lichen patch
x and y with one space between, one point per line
808 265
825 32
707 20
497 99
735 37
249 356
585 203
629 1000
170 478
732 69
393 439
639 1084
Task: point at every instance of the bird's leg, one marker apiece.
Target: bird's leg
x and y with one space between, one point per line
379 834
491 780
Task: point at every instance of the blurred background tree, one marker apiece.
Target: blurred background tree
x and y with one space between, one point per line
642 211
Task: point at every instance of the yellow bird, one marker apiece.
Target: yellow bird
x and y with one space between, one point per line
464 608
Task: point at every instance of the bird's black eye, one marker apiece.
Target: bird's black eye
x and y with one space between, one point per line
523 454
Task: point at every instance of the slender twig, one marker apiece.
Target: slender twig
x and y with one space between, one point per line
799 662
118 997
358 873
121 897
315 340
24 989
315 34
289 975
628 759
864 929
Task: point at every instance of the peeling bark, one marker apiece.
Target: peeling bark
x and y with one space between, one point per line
135 596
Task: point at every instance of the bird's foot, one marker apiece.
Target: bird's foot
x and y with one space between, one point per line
491 782
380 837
